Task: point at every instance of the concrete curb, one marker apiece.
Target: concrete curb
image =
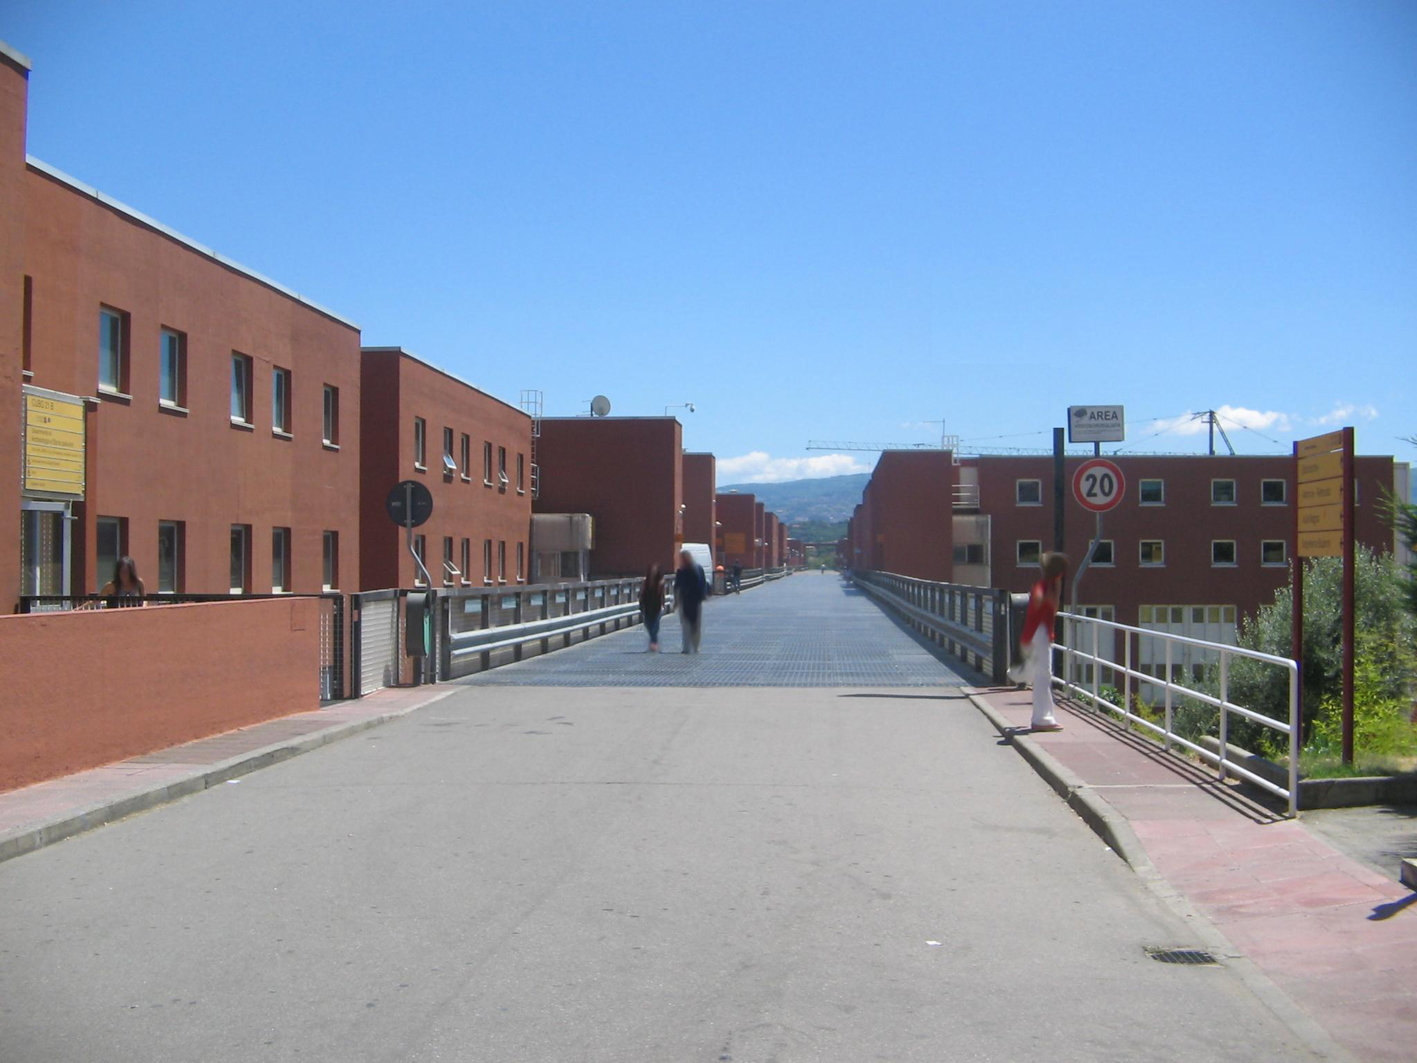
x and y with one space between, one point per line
37 835
1114 829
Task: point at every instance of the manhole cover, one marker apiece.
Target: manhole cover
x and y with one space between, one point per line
1189 957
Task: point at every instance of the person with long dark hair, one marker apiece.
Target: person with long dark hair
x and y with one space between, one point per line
1037 638
652 603
125 589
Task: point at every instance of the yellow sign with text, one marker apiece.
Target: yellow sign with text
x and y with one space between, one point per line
1320 467
1323 444
1320 519
734 543
54 445
1321 493
1320 544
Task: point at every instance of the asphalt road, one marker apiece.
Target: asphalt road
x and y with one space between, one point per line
693 874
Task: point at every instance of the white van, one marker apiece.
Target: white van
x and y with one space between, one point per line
702 555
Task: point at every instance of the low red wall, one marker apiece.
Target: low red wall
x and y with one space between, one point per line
82 689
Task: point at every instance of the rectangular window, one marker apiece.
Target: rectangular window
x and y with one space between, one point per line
1272 492
112 350
280 400
969 554
521 562
420 547
1222 552
331 428
240 388
1153 553
1102 553
1152 492
466 559
420 443
487 464
502 466
466 456
170 534
450 570
111 542
329 578
1274 552
280 559
502 561
486 560
1028 492
1030 551
521 474
240 555
27 324
172 372
1222 492
450 464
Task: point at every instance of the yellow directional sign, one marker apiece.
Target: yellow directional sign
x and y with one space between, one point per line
1320 444
1320 519
1320 467
1321 492
1320 544
54 445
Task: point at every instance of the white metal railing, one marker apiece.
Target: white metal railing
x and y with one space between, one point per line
1080 636
969 622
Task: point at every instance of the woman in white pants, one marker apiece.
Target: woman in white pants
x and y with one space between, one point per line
1037 638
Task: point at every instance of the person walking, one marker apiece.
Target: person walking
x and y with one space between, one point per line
689 594
737 577
652 604
1037 638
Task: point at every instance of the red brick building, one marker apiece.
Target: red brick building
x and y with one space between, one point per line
904 523
627 473
471 451
737 518
700 505
207 418
772 541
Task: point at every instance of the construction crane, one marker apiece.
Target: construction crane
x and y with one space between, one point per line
1213 419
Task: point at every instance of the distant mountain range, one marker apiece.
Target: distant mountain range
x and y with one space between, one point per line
827 499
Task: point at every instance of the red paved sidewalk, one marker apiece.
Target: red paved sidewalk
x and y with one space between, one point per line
1333 934
37 815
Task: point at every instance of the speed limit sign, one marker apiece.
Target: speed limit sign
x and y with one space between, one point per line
1098 485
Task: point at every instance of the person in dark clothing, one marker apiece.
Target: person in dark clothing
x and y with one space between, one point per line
738 577
690 590
652 604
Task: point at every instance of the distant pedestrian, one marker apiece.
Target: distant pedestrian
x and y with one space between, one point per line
737 577
125 589
690 590
1036 640
652 604
824 570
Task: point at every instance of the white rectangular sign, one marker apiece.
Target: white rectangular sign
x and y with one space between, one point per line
1096 424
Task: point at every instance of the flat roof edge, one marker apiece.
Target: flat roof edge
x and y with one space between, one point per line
15 56
138 216
395 349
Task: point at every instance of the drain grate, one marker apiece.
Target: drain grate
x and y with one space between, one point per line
1188 957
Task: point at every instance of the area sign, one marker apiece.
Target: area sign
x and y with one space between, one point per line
1096 424
1098 485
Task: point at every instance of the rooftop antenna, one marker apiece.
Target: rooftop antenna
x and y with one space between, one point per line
599 406
1214 421
679 406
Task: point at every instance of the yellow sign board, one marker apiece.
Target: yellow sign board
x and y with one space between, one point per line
1320 519
1320 467
1321 493
734 543
1320 544
54 444
1320 444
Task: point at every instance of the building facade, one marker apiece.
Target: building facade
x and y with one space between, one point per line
471 451
700 505
176 407
737 514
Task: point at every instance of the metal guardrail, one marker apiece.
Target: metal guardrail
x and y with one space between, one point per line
1077 629
971 623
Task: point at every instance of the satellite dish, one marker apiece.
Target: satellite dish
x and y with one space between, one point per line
599 406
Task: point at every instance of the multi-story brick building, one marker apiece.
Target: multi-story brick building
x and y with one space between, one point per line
700 505
471 451
737 514
178 407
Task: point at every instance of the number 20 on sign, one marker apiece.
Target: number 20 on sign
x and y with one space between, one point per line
1098 485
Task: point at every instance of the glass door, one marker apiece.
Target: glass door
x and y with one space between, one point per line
44 549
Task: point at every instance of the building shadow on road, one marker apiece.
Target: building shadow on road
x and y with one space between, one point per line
908 697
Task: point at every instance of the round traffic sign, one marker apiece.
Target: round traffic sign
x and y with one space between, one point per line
1098 485
410 503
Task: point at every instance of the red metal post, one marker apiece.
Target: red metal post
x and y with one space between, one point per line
1296 625
1349 579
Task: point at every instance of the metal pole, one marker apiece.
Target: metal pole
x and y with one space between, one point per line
1059 492
1167 742
1296 621
1349 580
1294 722
1224 716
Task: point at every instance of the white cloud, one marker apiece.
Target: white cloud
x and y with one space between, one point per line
759 467
1193 424
1347 411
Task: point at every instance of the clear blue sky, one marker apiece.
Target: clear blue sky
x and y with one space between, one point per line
809 219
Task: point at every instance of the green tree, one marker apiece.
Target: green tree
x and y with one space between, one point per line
1404 520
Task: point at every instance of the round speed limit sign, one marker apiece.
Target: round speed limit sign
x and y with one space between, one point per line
1098 485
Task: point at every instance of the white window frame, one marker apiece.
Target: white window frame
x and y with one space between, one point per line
176 526
1283 491
245 540
330 425
1018 553
280 555
521 562
1234 554
1018 492
1234 491
1111 544
420 446
281 382
329 560
521 474
487 562
178 346
466 456
1283 545
122 319
1141 553
1151 480
501 560
466 559
450 465
242 367
105 572
487 462
451 572
420 547
502 478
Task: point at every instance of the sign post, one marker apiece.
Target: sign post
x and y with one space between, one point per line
1323 527
410 503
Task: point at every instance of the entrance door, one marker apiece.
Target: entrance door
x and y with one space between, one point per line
44 549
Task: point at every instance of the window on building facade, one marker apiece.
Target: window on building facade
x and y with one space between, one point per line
280 400
1152 553
241 389
170 577
487 463
450 570
420 443
466 455
521 562
1222 552
1222 492
466 560
502 466
329 578
240 556
111 543
27 324
112 350
280 559
450 464
502 561
969 554
331 426
1274 552
1152 492
420 547
486 560
1102 553
1030 551
1028 492
521 474
172 369
1272 492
